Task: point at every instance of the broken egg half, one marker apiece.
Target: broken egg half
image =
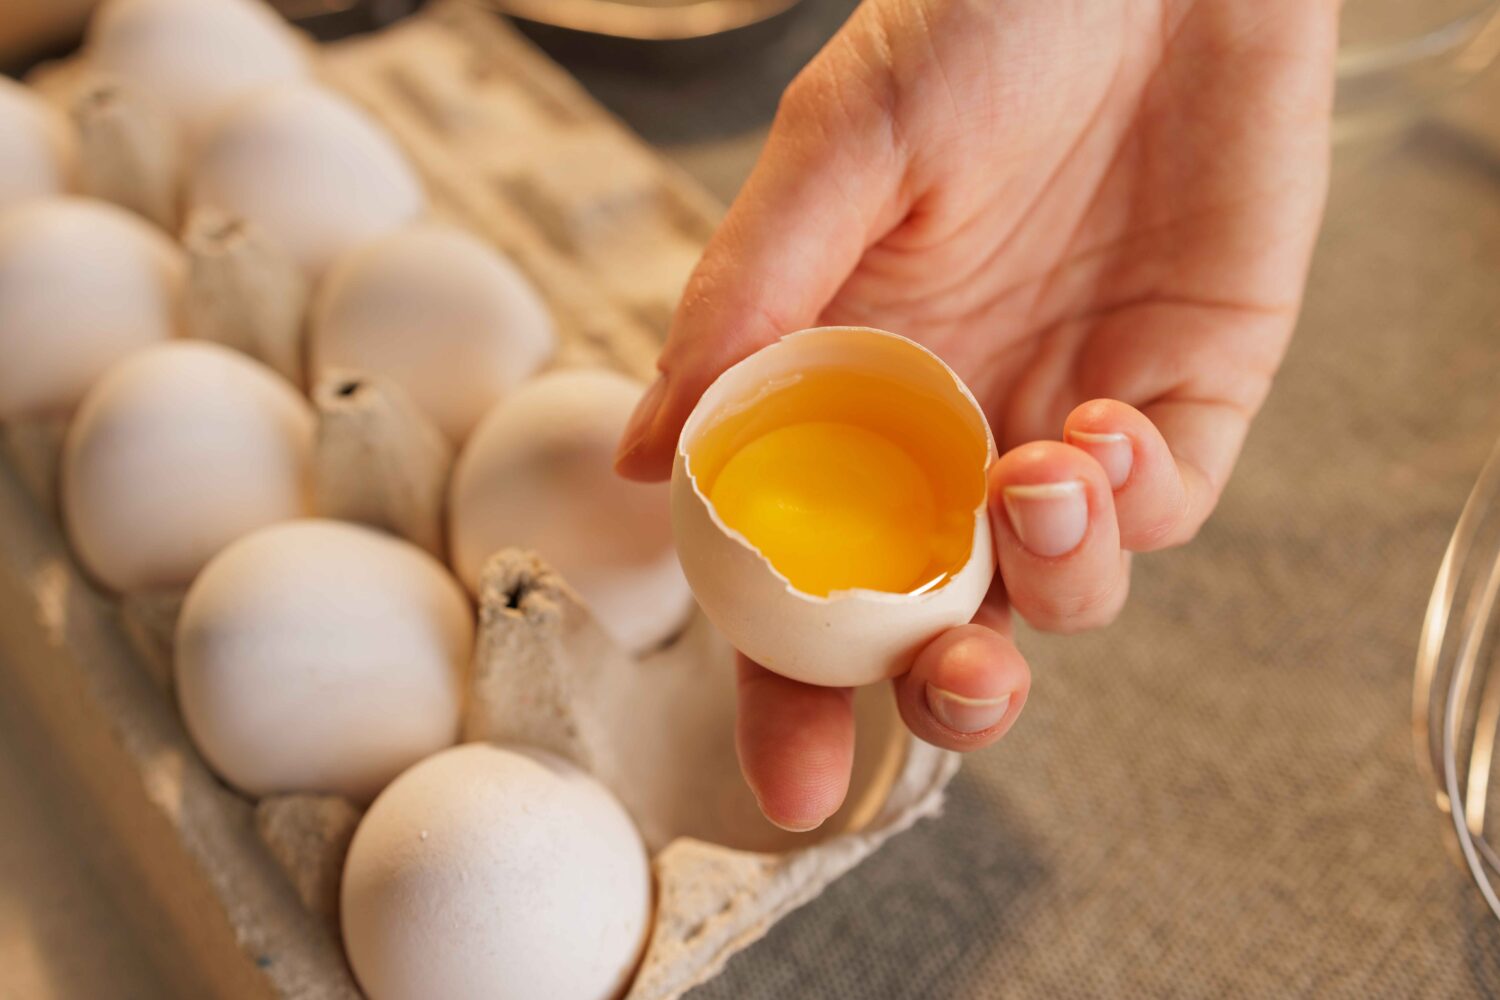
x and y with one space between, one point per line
828 504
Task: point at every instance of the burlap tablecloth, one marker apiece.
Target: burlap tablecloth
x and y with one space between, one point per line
1217 796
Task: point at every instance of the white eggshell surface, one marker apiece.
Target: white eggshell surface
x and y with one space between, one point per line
37 146
311 170
175 453
192 57
438 311
538 473
489 873
82 285
320 656
850 637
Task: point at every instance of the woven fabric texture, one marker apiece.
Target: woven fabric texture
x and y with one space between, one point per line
1217 796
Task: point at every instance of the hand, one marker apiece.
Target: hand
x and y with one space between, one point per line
1100 214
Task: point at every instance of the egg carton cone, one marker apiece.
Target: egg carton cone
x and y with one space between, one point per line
149 618
129 152
244 293
239 894
33 447
309 837
378 459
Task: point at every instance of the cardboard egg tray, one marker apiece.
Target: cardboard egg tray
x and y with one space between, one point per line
239 894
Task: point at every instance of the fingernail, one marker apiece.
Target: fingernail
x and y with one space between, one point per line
788 827
641 420
966 715
1049 518
1112 451
793 828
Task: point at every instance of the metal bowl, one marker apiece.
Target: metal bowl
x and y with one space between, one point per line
646 20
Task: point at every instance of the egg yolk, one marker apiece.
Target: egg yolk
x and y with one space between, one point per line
833 506
846 480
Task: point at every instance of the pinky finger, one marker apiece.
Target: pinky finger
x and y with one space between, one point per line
1165 465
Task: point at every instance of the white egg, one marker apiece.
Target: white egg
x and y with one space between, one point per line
490 873
191 58
538 473
37 146
320 656
438 311
879 398
311 170
175 453
82 284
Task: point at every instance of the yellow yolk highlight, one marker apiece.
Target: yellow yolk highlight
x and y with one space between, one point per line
833 506
846 480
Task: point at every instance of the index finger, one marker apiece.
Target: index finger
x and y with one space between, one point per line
791 238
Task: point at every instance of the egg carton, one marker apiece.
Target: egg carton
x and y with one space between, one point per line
246 893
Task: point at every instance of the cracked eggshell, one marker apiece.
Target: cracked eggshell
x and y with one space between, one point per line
538 473
310 169
37 146
82 284
176 452
191 58
439 312
495 873
320 656
850 637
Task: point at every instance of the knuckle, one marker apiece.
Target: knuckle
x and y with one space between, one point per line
1167 529
1159 533
1079 610
834 95
1187 530
805 99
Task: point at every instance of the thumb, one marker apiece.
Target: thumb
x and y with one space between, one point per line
798 228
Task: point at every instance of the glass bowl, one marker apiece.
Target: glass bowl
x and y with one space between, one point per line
1396 57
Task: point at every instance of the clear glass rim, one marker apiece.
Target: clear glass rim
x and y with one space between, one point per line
1479 27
